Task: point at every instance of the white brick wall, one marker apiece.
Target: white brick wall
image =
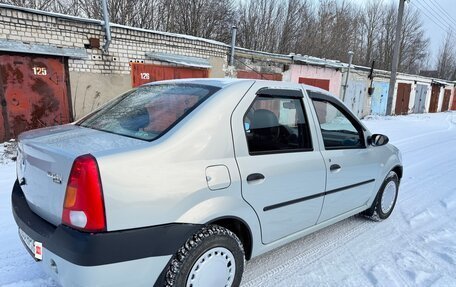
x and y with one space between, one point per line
127 43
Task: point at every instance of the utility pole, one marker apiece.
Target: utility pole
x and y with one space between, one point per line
233 44
107 27
394 64
350 59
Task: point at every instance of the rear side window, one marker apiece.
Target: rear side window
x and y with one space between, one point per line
276 124
148 112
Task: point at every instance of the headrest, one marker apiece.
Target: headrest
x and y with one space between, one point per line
264 119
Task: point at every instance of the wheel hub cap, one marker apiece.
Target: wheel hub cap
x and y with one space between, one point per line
215 268
389 194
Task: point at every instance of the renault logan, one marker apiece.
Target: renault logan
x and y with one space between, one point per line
177 183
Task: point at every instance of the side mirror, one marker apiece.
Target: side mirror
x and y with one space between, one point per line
378 140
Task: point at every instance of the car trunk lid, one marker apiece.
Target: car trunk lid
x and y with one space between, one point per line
45 158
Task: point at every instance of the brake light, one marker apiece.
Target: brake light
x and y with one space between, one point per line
83 207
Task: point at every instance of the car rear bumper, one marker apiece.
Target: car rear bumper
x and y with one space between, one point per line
76 258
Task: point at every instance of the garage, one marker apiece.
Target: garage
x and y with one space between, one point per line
446 100
435 94
169 67
257 75
420 98
319 83
33 93
402 98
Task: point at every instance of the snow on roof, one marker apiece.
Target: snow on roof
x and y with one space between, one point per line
41 49
319 61
52 14
268 54
439 82
180 59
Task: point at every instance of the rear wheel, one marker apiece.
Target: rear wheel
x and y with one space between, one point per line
386 198
212 257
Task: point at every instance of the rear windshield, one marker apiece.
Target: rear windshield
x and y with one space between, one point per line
148 112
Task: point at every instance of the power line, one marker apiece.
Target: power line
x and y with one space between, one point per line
251 68
448 16
430 14
438 15
424 12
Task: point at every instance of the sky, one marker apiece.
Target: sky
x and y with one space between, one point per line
435 21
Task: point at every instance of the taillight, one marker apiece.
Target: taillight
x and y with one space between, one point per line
83 207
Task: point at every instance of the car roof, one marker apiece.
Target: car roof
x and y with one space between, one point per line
224 82
216 82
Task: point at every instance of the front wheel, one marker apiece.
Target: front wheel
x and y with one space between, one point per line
386 198
212 257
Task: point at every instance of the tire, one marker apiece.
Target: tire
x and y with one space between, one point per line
386 198
204 254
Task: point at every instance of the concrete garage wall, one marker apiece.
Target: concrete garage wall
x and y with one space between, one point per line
219 65
297 71
91 90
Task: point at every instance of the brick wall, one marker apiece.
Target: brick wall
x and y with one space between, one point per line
128 44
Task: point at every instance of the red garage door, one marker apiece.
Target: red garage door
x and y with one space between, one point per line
402 98
146 73
33 93
435 93
259 76
319 83
446 100
453 105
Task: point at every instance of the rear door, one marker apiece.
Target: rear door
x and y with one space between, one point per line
351 166
282 170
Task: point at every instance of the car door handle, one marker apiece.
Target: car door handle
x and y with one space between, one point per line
255 176
334 167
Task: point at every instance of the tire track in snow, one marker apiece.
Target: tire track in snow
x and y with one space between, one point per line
313 248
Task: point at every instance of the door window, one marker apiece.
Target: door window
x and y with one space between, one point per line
338 131
276 124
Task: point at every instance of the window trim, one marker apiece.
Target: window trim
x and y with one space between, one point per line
272 94
346 112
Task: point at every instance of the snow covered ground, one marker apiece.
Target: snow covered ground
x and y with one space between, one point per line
416 246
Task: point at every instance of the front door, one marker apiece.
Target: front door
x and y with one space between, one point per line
282 171
351 166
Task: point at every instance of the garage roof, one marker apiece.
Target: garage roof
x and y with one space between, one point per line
180 60
41 49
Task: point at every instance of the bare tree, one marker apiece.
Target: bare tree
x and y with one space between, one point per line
371 25
414 44
325 29
446 58
203 18
34 4
259 24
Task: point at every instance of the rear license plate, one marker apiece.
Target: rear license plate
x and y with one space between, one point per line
34 246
